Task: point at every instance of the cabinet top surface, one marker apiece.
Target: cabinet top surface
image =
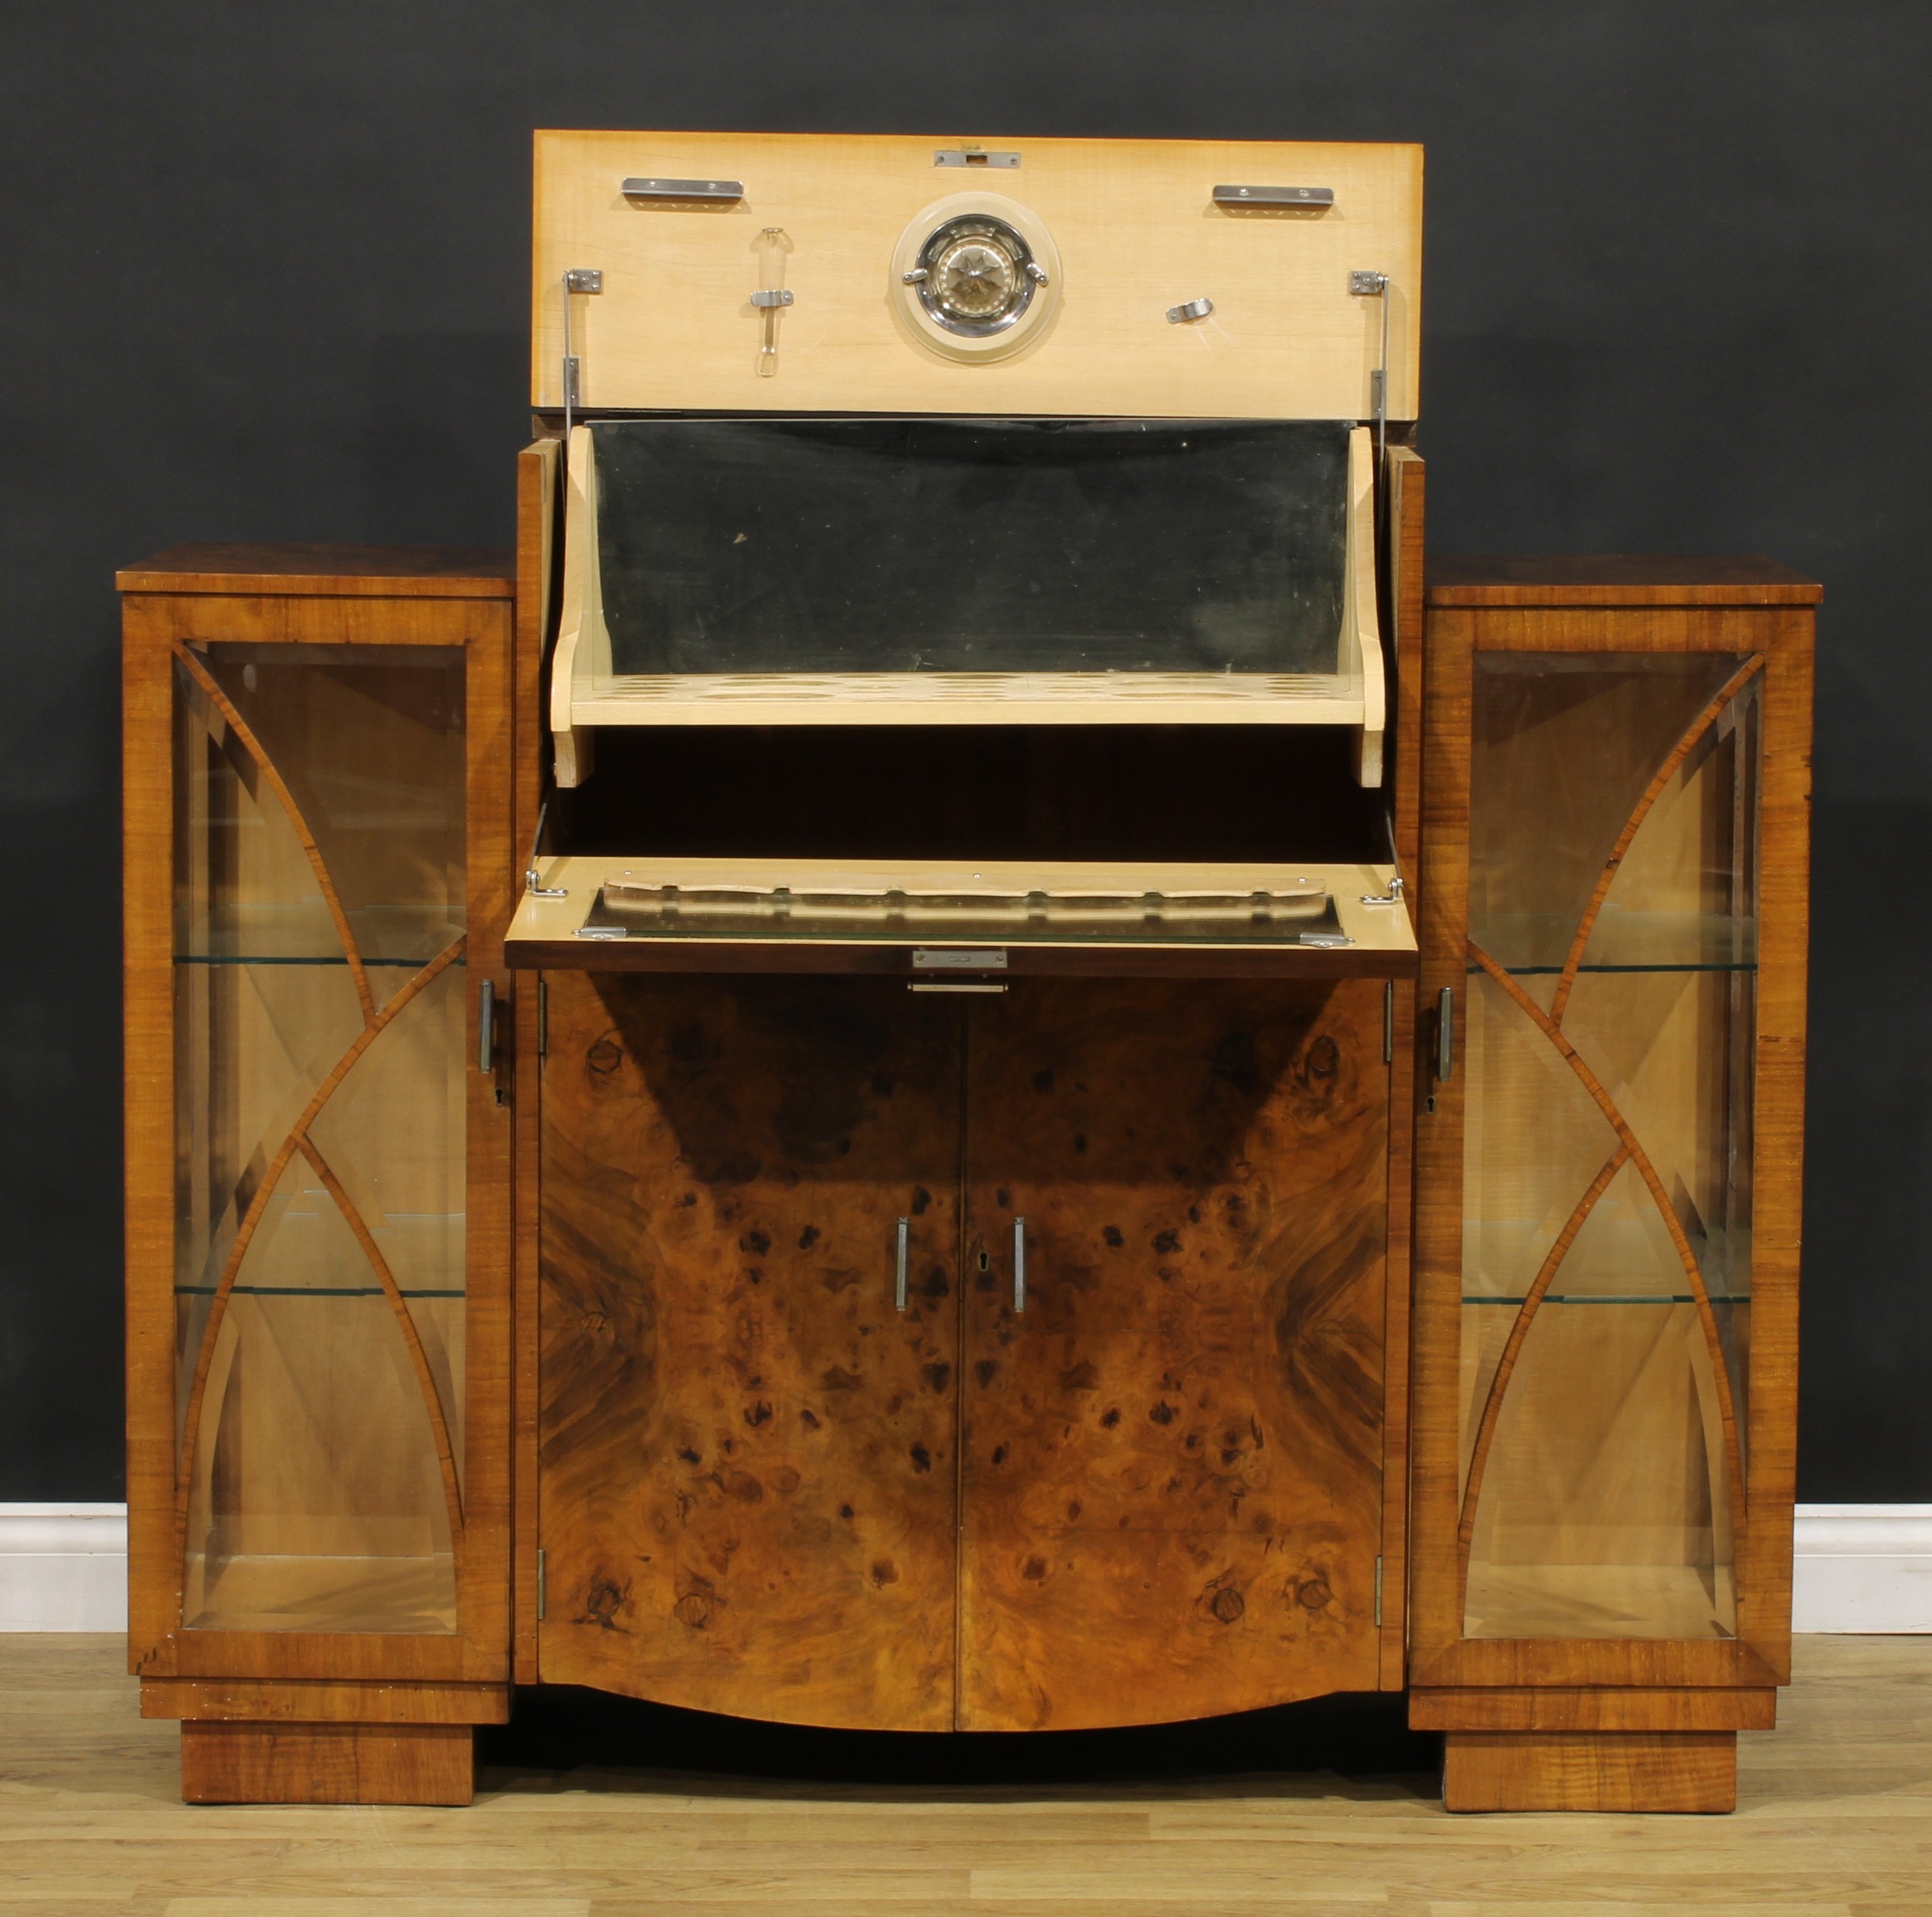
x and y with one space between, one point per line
1616 579
418 572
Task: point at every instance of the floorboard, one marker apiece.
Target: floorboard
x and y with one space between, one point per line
1835 1819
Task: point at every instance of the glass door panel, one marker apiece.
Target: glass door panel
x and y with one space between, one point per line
320 1135
1606 1234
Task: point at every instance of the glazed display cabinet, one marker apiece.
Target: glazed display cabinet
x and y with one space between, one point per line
317 1172
1609 1152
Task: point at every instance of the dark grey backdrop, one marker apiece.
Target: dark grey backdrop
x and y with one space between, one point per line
262 276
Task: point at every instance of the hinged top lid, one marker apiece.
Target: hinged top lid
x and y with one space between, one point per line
1202 279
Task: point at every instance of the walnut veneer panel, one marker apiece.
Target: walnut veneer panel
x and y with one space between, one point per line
1585 1770
745 1452
327 1764
1171 1459
1616 579
428 572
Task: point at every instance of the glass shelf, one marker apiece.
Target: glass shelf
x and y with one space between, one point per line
279 958
310 1291
1527 945
1614 1298
1551 971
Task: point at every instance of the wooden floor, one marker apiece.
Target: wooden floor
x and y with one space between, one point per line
1836 1817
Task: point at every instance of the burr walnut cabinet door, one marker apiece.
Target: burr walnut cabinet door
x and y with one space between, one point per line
747 1482
1171 1456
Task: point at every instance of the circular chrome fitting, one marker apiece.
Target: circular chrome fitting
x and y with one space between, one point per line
975 276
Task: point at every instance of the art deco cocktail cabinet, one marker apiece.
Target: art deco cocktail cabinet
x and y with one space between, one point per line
942 1065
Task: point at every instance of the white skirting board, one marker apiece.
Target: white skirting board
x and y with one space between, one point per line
1863 1568
63 1567
1859 1567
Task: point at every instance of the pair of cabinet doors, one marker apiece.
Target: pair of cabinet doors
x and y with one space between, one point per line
1146 1487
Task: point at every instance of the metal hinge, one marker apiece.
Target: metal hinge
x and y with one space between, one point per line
541 1581
532 884
543 1018
577 279
1367 284
1378 1593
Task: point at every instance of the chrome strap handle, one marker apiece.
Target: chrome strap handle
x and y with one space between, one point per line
899 1266
1020 1266
486 1027
1445 1034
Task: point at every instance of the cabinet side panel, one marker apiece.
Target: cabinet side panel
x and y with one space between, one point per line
485 1585
1784 936
1407 477
1435 1621
154 1559
537 475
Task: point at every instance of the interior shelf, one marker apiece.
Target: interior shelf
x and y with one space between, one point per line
935 917
1205 663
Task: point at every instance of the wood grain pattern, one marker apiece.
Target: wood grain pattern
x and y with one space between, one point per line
492 863
1406 482
747 1476
327 1764
1407 501
1397 1311
1590 1770
1597 579
1287 339
1783 937
425 572
1436 1317
322 1701
148 835
1171 1497
536 545
1591 1707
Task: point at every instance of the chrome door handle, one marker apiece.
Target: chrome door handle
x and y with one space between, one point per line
486 1026
1445 1034
1020 1266
899 1266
